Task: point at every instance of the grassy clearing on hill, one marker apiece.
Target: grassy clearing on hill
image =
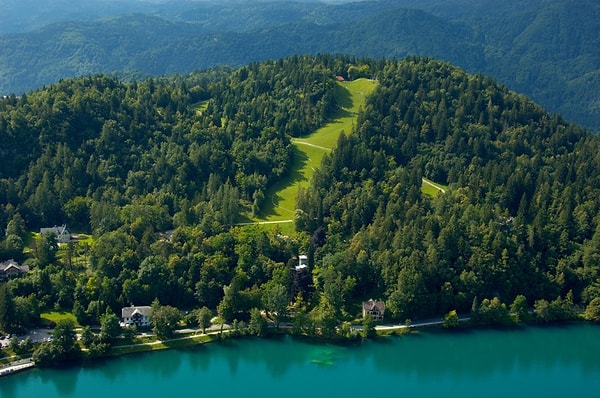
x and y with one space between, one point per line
308 151
432 188
201 107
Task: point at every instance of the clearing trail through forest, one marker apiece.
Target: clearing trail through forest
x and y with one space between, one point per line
309 150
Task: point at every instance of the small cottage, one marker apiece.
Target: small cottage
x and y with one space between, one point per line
374 308
62 233
11 269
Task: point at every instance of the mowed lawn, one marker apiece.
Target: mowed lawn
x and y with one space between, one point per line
308 151
431 188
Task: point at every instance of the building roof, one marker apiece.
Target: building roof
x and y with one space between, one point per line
128 312
373 305
62 233
6 265
61 230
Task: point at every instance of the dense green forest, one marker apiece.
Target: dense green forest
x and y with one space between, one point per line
546 50
517 227
520 217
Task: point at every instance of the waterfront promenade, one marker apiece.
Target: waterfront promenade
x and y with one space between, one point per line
14 367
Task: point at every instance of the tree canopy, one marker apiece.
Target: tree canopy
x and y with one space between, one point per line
160 171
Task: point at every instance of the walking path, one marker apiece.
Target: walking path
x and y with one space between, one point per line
264 222
420 324
296 141
17 366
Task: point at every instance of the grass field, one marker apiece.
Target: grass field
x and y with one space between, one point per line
201 106
53 317
308 152
431 188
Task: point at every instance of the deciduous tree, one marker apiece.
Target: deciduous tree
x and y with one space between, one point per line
519 309
110 327
164 320
275 301
592 311
451 319
204 316
257 324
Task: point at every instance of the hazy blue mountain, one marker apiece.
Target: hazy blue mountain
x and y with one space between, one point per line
547 49
139 44
18 16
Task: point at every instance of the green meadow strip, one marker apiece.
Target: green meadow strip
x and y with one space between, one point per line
309 151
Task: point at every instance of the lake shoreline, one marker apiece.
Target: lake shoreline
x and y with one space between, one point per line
191 338
553 361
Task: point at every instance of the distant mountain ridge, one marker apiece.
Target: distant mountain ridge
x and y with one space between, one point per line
547 50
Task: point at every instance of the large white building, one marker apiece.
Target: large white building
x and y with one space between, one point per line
136 316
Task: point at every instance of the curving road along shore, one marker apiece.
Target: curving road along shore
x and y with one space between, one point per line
419 324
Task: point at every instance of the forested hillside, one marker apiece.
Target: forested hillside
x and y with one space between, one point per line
520 218
546 50
100 138
127 162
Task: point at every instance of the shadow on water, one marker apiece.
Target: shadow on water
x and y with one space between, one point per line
63 378
429 354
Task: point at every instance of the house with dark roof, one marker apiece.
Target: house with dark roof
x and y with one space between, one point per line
11 269
374 308
62 233
136 316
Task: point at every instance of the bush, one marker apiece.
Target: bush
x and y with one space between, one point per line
451 319
491 312
592 311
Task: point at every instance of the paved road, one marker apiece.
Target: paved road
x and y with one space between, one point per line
423 323
214 329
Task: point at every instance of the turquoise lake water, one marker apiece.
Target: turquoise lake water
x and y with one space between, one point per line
529 362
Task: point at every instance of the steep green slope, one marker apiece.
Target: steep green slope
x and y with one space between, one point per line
97 137
308 151
519 215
